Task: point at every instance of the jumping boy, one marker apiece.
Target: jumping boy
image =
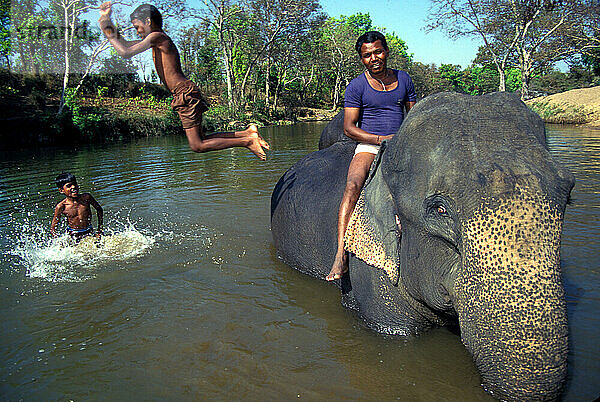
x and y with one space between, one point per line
187 99
76 207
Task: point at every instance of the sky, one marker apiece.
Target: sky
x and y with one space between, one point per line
406 18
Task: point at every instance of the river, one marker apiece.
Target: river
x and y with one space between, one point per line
188 300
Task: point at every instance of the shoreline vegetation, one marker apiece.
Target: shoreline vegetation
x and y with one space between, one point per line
127 110
578 106
123 110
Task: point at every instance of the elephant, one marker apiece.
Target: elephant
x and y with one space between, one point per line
458 225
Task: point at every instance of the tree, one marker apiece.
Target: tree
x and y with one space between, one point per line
5 33
282 27
399 56
475 18
197 49
338 37
529 34
551 31
34 39
278 21
71 11
221 16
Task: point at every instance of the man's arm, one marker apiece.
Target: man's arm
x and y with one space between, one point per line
99 212
60 207
408 105
351 115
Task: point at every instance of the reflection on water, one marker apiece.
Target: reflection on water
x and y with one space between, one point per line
185 299
579 151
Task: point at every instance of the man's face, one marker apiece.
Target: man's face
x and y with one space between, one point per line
143 29
374 57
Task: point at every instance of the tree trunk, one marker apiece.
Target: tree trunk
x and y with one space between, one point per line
525 75
502 83
267 85
278 88
67 59
228 75
336 96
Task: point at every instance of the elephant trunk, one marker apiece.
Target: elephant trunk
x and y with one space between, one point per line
510 298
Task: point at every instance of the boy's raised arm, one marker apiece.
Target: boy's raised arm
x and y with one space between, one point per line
124 48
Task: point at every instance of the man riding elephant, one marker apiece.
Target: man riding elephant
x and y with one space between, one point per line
374 105
481 204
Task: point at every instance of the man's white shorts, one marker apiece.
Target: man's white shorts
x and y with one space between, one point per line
364 147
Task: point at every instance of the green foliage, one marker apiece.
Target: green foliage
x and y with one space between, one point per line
454 77
5 45
513 80
554 81
553 113
219 117
102 92
359 22
308 64
85 122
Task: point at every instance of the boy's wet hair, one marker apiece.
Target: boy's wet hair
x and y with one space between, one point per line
63 179
370 37
147 11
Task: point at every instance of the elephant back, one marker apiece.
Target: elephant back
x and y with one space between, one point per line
334 132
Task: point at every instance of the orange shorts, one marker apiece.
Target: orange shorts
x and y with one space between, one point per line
188 103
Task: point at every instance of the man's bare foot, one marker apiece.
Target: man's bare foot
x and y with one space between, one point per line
340 267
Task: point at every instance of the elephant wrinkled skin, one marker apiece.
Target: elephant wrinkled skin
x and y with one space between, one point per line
481 204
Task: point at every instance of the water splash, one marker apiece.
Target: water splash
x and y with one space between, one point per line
61 259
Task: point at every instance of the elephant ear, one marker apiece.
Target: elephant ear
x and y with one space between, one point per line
372 234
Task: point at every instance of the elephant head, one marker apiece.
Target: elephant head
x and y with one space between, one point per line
480 204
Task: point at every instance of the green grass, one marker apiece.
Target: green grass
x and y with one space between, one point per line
560 114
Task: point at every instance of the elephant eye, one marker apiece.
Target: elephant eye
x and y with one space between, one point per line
437 207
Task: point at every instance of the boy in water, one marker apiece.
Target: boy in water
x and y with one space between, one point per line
76 207
187 100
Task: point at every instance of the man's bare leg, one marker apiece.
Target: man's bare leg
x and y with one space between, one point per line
248 138
357 174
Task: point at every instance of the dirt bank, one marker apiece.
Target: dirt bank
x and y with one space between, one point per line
577 106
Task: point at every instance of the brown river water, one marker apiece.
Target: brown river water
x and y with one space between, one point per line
187 300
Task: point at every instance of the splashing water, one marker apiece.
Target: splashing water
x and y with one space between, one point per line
61 259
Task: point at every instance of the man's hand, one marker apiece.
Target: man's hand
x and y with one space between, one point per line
105 10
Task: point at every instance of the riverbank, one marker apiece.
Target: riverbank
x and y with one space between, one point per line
113 108
577 106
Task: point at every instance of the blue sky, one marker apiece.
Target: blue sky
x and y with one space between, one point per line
407 19
404 17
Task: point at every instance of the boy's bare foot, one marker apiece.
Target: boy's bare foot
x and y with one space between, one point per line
256 145
251 130
340 267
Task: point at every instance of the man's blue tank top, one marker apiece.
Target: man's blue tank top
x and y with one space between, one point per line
381 112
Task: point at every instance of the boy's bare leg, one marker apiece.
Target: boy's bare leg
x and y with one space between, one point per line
248 138
357 174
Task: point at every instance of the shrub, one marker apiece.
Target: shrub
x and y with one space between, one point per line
559 114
